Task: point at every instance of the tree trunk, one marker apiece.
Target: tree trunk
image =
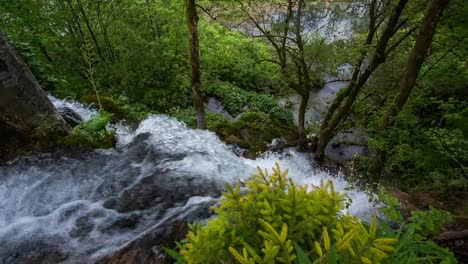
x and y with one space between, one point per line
303 73
24 106
346 102
90 30
415 60
301 117
413 66
197 94
357 68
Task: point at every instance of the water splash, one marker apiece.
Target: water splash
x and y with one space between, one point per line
85 112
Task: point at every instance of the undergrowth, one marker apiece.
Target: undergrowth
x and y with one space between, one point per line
274 220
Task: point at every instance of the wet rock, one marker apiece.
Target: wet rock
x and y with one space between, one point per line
345 145
83 226
125 222
24 106
160 189
149 248
70 116
33 252
67 213
215 106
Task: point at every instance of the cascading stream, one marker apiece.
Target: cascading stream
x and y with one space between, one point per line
79 207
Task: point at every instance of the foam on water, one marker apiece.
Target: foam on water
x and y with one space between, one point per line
207 155
83 111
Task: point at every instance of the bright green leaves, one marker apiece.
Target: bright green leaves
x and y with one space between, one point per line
92 133
96 123
429 223
273 220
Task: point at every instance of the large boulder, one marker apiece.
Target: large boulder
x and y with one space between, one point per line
24 106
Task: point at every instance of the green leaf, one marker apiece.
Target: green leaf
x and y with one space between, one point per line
97 122
332 255
301 256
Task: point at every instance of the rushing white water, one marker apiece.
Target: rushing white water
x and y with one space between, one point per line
86 205
83 111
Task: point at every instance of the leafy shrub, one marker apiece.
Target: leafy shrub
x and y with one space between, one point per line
134 111
414 234
188 117
232 97
430 222
92 133
266 104
277 221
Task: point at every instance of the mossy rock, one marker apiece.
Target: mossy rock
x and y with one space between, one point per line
253 131
108 105
102 139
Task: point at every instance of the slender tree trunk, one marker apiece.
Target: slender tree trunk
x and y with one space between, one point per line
301 117
303 73
379 56
197 94
90 30
415 60
105 34
357 68
413 66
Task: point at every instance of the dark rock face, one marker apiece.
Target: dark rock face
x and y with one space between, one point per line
149 248
345 145
24 106
34 252
72 118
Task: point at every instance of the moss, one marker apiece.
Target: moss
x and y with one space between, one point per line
253 131
102 139
91 134
109 105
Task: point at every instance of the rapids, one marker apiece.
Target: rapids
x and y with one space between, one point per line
80 207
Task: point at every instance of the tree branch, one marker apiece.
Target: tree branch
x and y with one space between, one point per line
205 11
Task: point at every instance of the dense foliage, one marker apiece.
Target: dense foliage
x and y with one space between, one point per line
427 146
274 220
129 58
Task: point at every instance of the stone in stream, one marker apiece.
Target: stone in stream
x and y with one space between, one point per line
70 116
149 248
345 145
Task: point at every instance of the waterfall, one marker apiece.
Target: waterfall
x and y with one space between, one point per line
82 206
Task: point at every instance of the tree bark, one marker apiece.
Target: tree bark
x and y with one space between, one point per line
357 68
415 60
343 107
90 30
301 117
303 73
24 106
194 56
413 66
